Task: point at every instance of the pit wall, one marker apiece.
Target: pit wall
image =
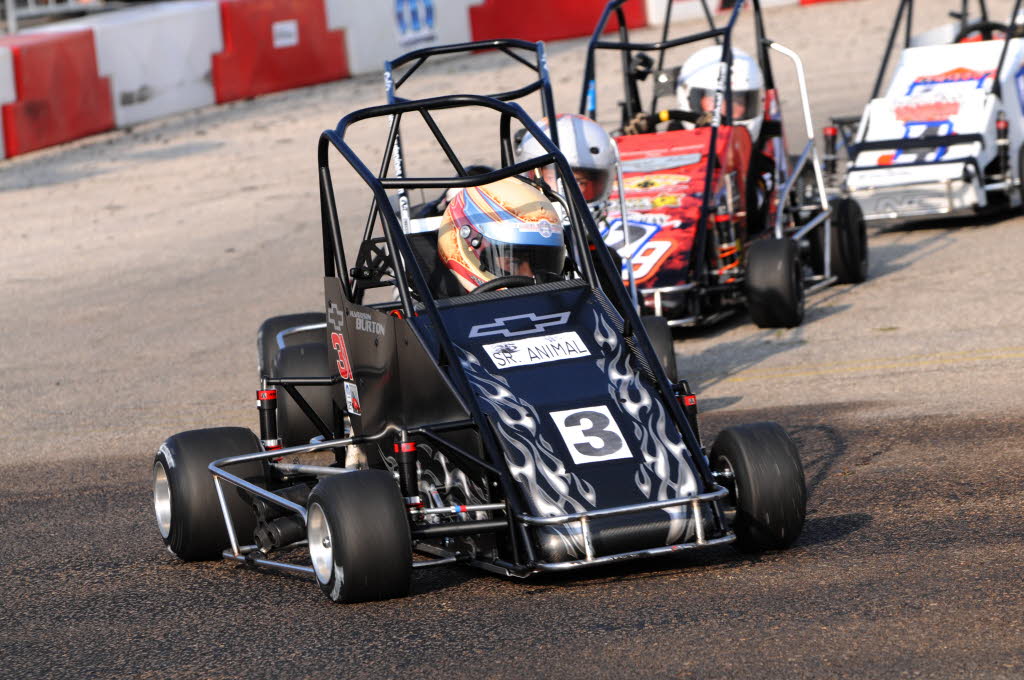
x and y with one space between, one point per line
75 78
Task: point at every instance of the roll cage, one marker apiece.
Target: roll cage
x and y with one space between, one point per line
530 54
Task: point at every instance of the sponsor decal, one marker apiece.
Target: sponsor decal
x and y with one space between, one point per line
364 322
352 399
590 434
518 325
415 20
641 203
537 350
344 365
667 201
284 33
926 111
662 163
954 80
648 182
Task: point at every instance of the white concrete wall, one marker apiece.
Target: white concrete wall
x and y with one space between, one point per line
7 91
158 57
372 33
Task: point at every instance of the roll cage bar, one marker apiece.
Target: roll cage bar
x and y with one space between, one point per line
637 67
530 54
904 18
374 262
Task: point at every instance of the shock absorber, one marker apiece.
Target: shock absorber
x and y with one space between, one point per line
830 133
688 400
1003 143
408 480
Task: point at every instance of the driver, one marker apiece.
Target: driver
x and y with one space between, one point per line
698 80
590 153
503 229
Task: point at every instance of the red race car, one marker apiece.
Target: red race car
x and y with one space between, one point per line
748 225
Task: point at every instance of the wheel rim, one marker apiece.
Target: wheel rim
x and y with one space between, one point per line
162 499
321 547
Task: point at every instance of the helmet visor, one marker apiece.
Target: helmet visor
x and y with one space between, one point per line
516 259
746 104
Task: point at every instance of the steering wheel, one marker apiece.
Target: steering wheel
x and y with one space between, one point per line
503 282
986 28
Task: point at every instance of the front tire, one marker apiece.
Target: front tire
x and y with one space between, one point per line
188 512
660 335
359 539
849 241
775 283
760 465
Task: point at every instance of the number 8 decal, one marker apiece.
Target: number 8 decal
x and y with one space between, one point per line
591 434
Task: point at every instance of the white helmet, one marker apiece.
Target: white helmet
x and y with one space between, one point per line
589 151
698 80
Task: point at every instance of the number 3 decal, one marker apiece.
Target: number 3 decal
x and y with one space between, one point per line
590 434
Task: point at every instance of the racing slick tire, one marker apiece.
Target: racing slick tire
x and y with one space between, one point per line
766 485
304 355
775 283
849 241
310 360
266 336
660 334
359 539
188 512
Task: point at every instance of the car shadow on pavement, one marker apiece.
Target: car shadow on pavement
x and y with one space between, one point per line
721 361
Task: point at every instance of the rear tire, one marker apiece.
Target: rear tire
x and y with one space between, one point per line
359 539
660 335
849 241
266 338
775 283
304 355
188 512
767 487
294 428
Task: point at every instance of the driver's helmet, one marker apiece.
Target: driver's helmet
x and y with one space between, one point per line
587 148
698 80
506 228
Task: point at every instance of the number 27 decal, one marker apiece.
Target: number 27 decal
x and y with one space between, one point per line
591 434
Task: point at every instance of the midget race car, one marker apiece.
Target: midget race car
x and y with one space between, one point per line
703 234
521 424
945 136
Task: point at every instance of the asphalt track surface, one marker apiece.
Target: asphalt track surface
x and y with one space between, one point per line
136 268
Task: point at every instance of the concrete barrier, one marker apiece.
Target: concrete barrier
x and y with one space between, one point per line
60 96
561 18
7 93
157 57
381 30
272 45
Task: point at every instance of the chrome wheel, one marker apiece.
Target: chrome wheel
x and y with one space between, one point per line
321 549
162 499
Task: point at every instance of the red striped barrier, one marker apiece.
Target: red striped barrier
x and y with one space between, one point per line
60 95
7 93
272 45
544 19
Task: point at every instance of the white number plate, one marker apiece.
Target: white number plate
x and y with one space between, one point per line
591 434
537 350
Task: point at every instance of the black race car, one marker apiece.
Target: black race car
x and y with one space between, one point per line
522 426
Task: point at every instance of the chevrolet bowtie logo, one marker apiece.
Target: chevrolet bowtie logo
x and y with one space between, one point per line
521 324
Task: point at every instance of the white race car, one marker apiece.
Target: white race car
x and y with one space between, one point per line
946 136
